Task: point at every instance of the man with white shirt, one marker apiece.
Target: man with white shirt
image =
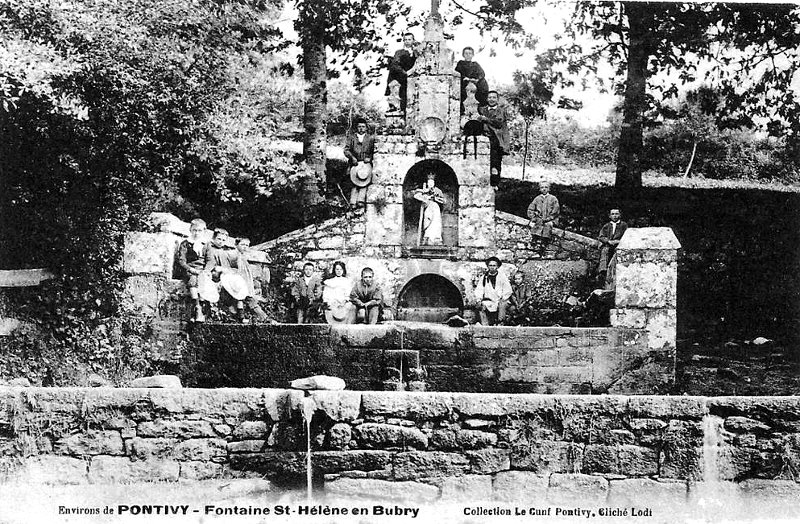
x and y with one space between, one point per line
492 292
307 293
359 150
610 235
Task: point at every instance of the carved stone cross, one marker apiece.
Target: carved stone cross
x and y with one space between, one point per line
435 7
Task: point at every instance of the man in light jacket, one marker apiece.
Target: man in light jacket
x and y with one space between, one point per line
492 292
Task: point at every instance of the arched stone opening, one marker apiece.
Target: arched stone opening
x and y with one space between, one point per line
447 181
429 298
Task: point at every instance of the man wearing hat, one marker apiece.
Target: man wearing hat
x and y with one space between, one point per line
492 292
359 150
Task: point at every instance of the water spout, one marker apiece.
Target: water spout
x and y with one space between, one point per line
712 439
308 405
713 495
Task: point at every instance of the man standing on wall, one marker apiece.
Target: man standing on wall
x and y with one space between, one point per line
610 235
472 73
359 150
400 65
495 121
367 297
543 212
307 294
493 292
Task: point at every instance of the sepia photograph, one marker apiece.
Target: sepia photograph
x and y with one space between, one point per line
398 261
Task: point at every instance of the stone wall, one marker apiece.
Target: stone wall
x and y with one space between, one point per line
476 358
423 447
565 268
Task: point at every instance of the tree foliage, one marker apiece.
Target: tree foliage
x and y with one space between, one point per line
746 51
110 110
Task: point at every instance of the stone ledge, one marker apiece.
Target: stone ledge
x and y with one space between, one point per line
24 277
557 232
648 238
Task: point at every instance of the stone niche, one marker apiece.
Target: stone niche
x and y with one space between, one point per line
429 298
446 181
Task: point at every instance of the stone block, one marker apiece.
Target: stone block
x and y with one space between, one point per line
627 492
545 456
629 318
147 448
646 285
382 225
157 381
338 461
91 443
447 439
200 470
745 425
412 406
649 239
662 329
340 406
637 461
390 193
251 429
375 489
576 487
476 227
413 465
247 446
488 461
381 436
780 492
330 242
469 488
323 254
50 469
520 486
206 449
475 196
176 429
149 253
681 462
665 408
169 223
339 436
105 469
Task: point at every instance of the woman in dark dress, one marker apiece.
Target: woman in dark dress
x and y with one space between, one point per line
472 72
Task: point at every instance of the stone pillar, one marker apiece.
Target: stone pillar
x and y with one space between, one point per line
646 289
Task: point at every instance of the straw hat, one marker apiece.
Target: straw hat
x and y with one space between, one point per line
234 284
361 175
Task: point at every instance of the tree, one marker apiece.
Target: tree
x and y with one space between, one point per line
533 93
103 107
643 39
348 28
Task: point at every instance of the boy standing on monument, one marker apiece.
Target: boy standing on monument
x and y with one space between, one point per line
191 259
610 235
359 150
543 212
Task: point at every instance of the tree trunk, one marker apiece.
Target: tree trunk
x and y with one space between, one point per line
691 160
525 154
315 114
629 167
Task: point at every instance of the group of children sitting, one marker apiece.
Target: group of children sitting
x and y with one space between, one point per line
217 271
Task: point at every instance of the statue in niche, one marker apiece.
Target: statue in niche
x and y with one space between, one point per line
430 216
